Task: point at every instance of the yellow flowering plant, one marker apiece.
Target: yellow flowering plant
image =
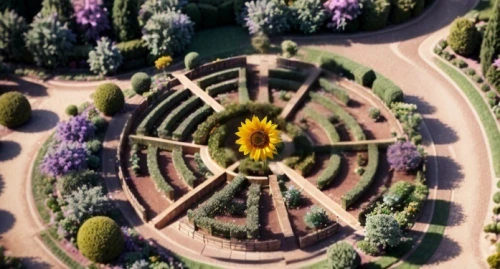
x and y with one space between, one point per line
163 62
258 138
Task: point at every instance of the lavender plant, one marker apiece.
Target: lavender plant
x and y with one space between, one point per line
403 156
308 15
92 19
105 58
168 33
266 16
342 11
77 129
64 158
151 7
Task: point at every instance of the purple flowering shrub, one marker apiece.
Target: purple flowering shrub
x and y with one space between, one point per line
92 19
65 157
403 156
77 129
342 11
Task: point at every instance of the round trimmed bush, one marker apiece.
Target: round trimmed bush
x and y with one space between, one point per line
464 38
289 48
109 98
74 180
141 82
100 239
71 110
341 255
99 123
496 197
15 110
192 60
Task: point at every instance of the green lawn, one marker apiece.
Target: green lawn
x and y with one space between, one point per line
487 120
484 9
39 184
221 42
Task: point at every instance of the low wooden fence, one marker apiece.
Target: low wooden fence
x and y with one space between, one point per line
241 245
213 67
318 236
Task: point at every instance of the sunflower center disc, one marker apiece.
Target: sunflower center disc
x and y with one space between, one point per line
259 139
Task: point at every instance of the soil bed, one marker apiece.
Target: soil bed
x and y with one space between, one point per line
168 171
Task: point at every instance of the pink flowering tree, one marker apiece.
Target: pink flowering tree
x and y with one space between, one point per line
342 11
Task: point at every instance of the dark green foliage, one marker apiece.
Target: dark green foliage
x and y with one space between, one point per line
459 63
292 197
366 179
74 180
109 98
493 77
289 48
192 60
328 175
469 71
15 109
226 13
25 8
496 198
383 231
447 56
100 239
221 155
218 77
125 22
182 169
93 162
387 90
306 164
375 14
464 38
99 123
325 124
336 90
209 15
193 12
133 49
253 198
368 248
490 47
12 29
418 8
496 210
261 43
63 9
492 228
485 88
364 76
239 7
94 146
401 10
222 87
283 84
155 173
288 74
71 110
167 126
141 82
191 122
342 255
477 78
9 262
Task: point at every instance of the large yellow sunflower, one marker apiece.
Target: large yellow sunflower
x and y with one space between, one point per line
258 138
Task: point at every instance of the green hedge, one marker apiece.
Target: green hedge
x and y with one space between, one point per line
366 179
155 173
324 123
209 15
214 78
232 111
364 76
387 90
243 94
306 164
191 122
222 87
331 171
135 54
284 84
339 64
147 123
337 91
349 121
216 147
182 170
166 128
253 198
288 74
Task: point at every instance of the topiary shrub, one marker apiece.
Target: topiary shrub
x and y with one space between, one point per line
464 38
493 77
105 58
289 48
342 255
100 239
382 231
71 110
93 162
490 47
141 82
125 22
15 110
266 16
12 29
49 41
308 15
496 197
74 180
192 60
375 14
100 123
261 43
168 33
108 98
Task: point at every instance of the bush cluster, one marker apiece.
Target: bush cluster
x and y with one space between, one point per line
106 58
464 37
15 109
221 155
223 87
293 197
316 217
341 255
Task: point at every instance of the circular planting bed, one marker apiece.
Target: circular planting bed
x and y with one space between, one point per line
183 172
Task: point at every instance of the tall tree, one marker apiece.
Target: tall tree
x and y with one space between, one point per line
63 9
491 42
125 23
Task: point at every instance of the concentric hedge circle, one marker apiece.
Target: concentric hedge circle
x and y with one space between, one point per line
108 98
15 110
100 239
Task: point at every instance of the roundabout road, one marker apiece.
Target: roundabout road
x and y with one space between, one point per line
461 155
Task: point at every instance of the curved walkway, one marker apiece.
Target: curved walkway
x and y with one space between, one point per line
461 155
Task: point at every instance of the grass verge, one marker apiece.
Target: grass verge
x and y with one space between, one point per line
487 120
58 252
39 183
